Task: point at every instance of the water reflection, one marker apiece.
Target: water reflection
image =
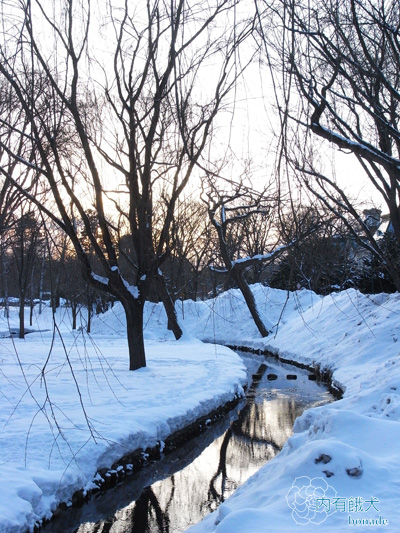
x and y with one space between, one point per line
188 484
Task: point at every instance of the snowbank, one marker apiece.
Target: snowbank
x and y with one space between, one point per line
341 468
69 406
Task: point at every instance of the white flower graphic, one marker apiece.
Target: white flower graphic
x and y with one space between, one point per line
310 500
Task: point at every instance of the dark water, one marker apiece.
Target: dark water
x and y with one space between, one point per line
172 494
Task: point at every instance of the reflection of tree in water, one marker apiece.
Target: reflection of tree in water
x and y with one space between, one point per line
215 497
268 421
145 515
250 440
256 436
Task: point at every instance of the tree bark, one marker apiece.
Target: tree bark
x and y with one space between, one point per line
21 315
31 302
41 284
74 309
134 328
236 272
169 306
250 301
89 318
5 280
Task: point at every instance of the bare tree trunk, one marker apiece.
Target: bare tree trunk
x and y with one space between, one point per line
21 334
6 304
250 301
31 304
5 281
74 310
134 327
234 270
169 307
89 318
41 284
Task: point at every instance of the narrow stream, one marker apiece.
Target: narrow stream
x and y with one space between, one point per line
178 491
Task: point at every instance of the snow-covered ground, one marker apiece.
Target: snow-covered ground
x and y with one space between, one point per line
69 406
340 469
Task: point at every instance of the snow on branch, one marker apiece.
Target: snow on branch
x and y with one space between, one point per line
99 279
261 258
133 289
364 150
218 270
104 283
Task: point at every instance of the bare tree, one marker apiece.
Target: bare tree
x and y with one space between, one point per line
110 131
12 201
25 248
227 210
192 249
343 57
254 239
323 260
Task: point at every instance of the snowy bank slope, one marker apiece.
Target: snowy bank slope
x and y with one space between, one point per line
341 468
54 437
345 456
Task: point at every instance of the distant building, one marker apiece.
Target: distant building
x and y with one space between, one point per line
372 219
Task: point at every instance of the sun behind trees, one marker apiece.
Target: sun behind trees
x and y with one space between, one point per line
113 113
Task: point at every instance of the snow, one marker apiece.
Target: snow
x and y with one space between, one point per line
339 469
51 450
261 257
133 289
100 279
350 447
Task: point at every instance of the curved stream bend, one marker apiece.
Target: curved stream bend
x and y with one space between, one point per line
190 482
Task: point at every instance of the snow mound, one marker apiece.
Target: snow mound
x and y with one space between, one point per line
352 445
